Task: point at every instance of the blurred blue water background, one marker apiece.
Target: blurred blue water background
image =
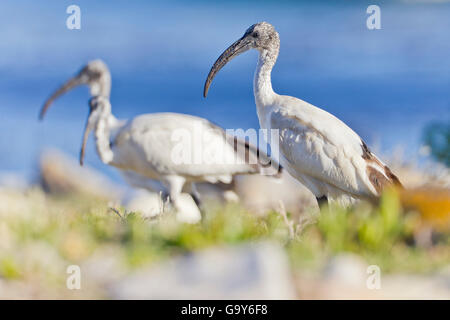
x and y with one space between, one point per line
386 84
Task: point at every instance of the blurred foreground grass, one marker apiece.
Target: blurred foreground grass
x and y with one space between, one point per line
40 235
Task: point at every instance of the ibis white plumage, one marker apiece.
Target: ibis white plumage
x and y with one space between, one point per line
316 148
144 148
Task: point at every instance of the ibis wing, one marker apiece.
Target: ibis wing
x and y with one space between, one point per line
316 144
170 143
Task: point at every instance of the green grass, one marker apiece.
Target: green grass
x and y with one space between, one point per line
40 234
382 235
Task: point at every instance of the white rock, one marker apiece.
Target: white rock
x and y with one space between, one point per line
148 204
60 173
347 269
261 194
256 271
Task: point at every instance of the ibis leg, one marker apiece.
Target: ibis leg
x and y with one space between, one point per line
323 200
196 195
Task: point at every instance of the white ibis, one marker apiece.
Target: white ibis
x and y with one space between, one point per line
316 148
144 148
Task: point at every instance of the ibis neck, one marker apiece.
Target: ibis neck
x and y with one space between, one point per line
106 88
105 126
262 83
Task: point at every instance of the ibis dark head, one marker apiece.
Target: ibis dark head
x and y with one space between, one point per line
261 36
95 74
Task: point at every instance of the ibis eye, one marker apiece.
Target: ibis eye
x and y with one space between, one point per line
255 35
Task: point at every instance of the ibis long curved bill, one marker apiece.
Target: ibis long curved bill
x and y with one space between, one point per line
238 47
87 130
98 117
69 85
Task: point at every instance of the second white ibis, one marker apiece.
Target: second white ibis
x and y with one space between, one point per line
155 151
